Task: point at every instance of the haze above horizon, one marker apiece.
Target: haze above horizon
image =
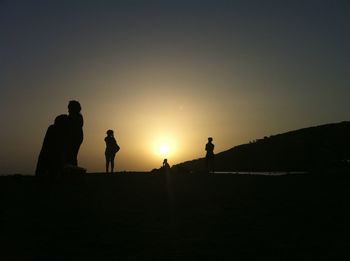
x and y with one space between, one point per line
166 75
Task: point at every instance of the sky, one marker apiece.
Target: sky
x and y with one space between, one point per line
166 75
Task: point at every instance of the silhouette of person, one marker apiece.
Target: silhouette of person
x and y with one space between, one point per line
166 166
52 155
112 148
75 134
209 157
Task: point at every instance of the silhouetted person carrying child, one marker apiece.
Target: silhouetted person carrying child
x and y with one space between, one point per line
112 148
75 134
52 155
209 157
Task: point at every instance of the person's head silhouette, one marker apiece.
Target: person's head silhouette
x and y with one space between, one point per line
61 120
74 107
110 133
210 139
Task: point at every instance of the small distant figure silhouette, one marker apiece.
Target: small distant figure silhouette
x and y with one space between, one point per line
75 132
166 167
52 155
112 148
209 158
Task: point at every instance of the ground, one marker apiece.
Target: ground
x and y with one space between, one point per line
180 217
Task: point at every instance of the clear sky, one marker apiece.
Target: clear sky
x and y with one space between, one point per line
168 73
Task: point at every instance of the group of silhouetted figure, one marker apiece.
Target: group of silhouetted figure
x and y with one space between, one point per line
62 141
209 160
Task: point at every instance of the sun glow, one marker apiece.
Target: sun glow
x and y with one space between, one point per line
164 147
164 150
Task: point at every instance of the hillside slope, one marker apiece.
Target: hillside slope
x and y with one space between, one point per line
320 147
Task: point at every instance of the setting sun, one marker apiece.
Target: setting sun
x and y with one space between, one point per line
164 147
163 85
164 150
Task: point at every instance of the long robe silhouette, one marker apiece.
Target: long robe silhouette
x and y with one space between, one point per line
52 155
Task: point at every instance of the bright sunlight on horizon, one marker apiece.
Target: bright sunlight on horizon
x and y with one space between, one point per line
166 75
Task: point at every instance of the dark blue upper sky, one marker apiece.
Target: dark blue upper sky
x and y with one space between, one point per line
235 70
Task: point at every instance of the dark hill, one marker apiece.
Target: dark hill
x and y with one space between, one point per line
314 148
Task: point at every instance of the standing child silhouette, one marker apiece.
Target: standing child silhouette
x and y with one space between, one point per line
112 148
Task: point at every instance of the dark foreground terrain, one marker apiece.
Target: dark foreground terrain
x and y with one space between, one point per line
182 217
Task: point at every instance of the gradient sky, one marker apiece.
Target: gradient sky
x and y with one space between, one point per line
168 72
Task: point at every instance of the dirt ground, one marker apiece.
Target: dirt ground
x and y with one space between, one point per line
139 216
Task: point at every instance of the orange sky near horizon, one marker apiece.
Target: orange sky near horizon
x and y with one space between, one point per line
168 73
